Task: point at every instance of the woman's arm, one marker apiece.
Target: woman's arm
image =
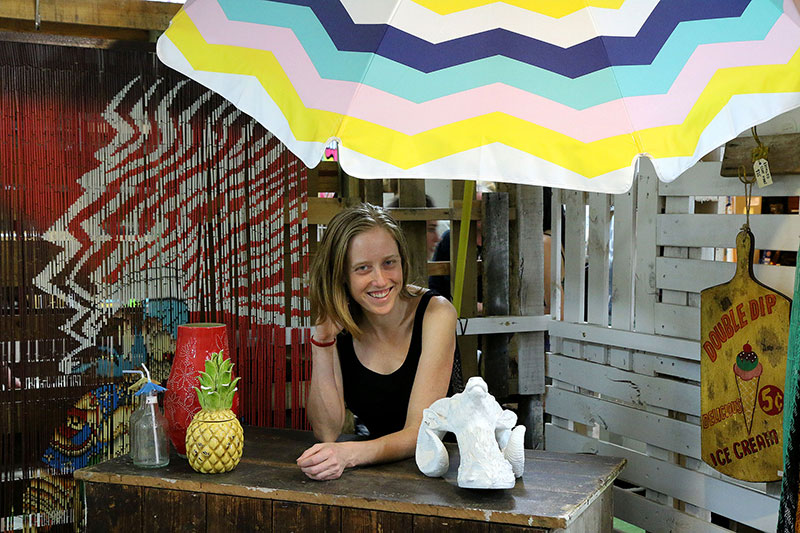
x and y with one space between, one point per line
328 460
325 404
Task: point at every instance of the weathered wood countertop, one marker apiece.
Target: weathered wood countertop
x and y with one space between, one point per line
555 489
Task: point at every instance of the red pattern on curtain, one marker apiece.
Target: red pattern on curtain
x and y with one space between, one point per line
132 200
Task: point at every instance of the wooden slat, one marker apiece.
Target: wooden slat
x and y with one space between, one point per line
696 488
694 275
678 321
289 517
645 267
704 179
483 325
597 251
503 324
110 13
237 514
626 386
60 33
656 518
125 499
674 346
772 232
424 213
556 255
366 521
652 365
676 205
623 261
784 154
173 511
503 528
436 524
496 290
514 191
575 256
323 178
438 268
674 435
528 299
321 210
443 268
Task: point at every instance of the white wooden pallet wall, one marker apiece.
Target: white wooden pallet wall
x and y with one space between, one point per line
624 374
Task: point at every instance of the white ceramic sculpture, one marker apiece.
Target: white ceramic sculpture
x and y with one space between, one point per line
490 447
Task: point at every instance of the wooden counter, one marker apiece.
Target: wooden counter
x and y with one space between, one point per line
268 492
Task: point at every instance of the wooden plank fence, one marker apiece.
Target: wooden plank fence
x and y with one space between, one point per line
623 370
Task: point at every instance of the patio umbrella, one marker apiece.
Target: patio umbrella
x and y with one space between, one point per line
566 94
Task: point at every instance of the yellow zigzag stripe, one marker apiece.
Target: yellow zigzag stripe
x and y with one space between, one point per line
406 151
550 8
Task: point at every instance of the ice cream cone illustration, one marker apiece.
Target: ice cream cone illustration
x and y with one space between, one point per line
748 374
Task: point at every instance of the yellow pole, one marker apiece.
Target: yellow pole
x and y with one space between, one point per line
463 240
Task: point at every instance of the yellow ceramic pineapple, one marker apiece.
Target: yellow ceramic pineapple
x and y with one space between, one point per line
214 439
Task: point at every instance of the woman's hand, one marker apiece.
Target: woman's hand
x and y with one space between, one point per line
326 331
325 461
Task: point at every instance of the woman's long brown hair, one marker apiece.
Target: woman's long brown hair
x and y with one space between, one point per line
330 294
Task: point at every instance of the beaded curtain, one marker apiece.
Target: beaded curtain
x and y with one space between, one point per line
132 200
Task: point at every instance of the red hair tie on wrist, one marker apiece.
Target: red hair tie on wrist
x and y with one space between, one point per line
322 344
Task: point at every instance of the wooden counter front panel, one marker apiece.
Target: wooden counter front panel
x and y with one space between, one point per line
366 521
291 516
126 508
231 515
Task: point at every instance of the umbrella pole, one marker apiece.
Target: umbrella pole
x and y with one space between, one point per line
463 238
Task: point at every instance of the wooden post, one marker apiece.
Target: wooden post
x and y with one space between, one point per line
526 299
622 274
411 193
575 257
645 290
496 290
350 187
598 241
373 192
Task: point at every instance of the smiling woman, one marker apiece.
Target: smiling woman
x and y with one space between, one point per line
382 348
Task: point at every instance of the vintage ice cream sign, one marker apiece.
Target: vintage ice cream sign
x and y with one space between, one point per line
744 333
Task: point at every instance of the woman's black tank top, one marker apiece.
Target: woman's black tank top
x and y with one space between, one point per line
380 401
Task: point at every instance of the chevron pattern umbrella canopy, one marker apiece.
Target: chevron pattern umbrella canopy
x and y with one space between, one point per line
564 94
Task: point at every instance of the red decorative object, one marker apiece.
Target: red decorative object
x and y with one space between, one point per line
196 342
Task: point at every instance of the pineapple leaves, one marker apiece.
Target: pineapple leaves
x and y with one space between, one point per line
217 385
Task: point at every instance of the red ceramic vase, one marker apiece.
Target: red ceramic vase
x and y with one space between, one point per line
196 342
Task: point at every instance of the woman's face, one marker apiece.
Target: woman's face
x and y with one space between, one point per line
375 274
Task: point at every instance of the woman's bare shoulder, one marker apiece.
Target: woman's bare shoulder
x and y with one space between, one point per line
441 309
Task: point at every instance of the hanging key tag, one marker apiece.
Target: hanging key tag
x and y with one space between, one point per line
760 164
762 174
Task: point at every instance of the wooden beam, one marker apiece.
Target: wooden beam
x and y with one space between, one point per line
496 290
326 176
784 154
442 268
134 14
321 210
28 28
527 298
